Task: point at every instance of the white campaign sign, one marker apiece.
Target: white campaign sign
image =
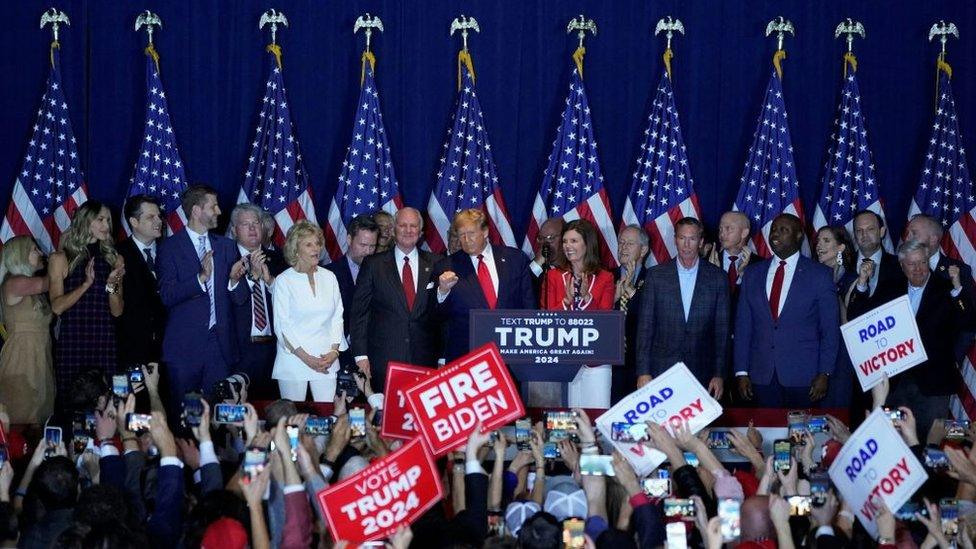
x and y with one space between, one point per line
885 340
670 399
876 462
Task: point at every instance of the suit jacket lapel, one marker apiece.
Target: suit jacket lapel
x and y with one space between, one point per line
391 272
794 284
677 305
190 248
423 276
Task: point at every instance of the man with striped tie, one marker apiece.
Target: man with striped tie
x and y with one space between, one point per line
250 226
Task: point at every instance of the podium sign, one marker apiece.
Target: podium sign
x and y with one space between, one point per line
550 345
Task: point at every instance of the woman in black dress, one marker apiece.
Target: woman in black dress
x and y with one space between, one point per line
85 291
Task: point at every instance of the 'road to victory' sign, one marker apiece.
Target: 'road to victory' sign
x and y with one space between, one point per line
884 340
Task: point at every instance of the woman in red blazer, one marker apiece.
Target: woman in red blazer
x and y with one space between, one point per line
581 284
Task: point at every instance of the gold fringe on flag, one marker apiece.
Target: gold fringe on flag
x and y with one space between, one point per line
850 59
778 58
578 58
668 54
151 51
464 58
276 50
367 56
54 45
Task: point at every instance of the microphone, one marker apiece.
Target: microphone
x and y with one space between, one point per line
545 255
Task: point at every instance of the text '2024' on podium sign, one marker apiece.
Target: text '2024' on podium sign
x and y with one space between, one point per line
550 345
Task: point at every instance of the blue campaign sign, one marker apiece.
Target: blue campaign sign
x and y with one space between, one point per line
550 345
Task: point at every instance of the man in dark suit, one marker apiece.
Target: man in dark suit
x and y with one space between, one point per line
869 231
199 282
942 310
633 245
361 237
478 276
393 309
254 318
928 231
787 324
550 251
139 331
684 314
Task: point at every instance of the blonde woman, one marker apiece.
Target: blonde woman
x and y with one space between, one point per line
26 374
307 319
85 287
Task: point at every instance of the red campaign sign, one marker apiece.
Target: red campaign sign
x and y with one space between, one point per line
398 421
448 405
391 492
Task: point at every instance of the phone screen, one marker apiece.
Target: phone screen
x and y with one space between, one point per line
818 424
691 459
550 450
120 385
52 436
292 431
561 425
677 508
799 505
255 460
357 422
955 429
728 514
316 425
573 534
596 465
719 440
137 423
230 413
781 455
523 430
192 409
949 509
656 487
936 459
677 536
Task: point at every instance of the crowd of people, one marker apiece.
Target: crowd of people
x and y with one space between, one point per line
105 331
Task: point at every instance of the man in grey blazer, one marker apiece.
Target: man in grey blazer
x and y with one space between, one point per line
684 314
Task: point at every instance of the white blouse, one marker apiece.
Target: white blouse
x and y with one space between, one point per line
306 319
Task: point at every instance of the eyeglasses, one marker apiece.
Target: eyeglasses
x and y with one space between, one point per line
546 238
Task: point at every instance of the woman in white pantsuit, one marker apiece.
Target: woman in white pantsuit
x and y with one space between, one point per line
307 319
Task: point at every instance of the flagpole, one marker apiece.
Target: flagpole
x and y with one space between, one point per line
581 25
274 18
369 23
55 18
150 19
464 24
849 28
780 26
943 31
669 25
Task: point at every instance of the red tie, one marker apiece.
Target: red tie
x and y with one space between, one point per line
409 289
777 289
484 277
733 272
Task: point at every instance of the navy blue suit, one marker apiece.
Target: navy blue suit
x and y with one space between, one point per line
783 356
347 287
196 356
257 357
515 291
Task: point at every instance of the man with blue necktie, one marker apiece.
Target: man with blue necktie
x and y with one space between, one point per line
199 282
942 310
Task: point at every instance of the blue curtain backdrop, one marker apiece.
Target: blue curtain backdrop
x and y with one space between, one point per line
214 66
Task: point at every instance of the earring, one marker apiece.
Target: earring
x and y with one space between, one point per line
840 257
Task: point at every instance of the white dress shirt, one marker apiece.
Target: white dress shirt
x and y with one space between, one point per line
141 246
686 280
789 269
414 263
312 321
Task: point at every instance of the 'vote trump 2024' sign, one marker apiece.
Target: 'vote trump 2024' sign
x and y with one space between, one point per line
390 493
884 340
448 405
673 398
876 463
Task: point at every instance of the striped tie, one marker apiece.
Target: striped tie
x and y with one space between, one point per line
202 249
257 301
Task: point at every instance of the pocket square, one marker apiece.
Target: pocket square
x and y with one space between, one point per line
430 286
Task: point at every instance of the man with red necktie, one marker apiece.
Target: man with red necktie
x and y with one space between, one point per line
478 276
393 315
787 329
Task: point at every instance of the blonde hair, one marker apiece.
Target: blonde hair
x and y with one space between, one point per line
74 240
16 262
471 215
296 233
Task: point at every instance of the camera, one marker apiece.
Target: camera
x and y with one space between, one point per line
346 380
232 388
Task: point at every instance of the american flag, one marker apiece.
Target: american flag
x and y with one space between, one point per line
467 177
275 178
769 186
367 182
50 186
849 185
945 192
572 186
159 168
662 191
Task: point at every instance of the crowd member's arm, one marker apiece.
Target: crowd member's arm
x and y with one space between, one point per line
646 514
805 454
457 483
879 393
906 427
767 479
518 469
690 443
476 486
150 373
314 481
779 513
211 478
713 534
886 525
166 523
37 458
496 481
788 481
333 449
297 530
661 440
538 494
401 538
963 469
111 466
253 495
744 447
838 430
933 523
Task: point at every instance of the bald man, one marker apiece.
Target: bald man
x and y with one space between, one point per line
732 253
